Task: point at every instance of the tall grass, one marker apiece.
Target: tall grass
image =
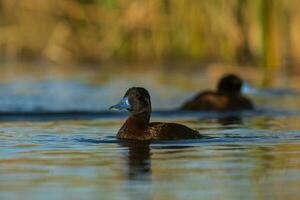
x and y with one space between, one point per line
254 32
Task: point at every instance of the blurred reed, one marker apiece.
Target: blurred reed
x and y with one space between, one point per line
245 32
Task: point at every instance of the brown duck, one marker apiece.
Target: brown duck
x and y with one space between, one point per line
138 127
228 97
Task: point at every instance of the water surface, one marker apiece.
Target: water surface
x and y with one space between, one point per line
57 145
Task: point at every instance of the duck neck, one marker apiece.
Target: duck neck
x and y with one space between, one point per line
230 93
140 120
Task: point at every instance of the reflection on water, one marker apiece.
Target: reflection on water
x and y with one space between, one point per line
79 95
230 120
139 163
75 155
80 159
138 179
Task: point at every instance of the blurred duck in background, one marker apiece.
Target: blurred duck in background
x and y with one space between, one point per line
228 97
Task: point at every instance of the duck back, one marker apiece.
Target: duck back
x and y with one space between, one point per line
217 101
134 130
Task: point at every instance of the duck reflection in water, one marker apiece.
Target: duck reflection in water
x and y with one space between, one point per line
138 174
138 177
230 120
138 160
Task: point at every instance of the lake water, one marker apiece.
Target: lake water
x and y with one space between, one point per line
57 141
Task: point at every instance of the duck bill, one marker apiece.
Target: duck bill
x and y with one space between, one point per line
122 105
247 88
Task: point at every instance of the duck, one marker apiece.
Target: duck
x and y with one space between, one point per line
138 126
228 97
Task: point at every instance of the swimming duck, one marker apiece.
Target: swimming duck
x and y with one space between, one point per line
138 127
228 97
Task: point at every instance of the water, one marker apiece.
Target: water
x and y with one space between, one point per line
57 141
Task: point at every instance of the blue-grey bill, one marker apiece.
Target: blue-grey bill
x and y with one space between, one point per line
123 104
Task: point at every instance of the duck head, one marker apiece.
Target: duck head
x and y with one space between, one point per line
230 84
136 100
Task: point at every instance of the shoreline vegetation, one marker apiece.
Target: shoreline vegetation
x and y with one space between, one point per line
258 33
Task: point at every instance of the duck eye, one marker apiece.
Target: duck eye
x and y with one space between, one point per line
146 102
141 98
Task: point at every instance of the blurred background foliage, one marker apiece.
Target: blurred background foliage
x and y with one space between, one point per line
262 33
